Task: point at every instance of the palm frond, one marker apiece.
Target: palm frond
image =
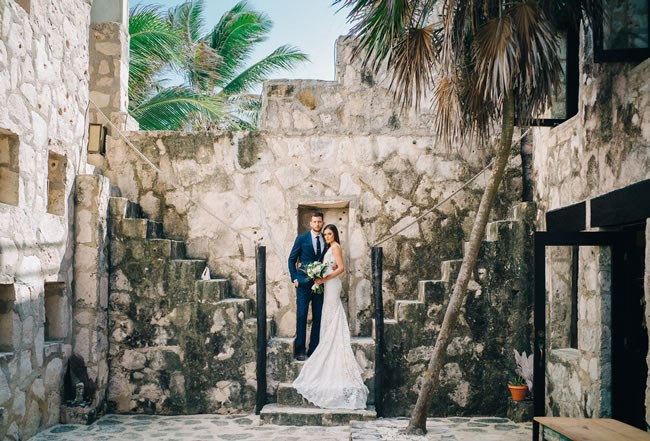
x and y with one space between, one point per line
152 47
172 108
412 62
235 37
496 55
540 69
380 26
187 19
283 58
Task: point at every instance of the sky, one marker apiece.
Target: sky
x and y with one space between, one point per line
311 25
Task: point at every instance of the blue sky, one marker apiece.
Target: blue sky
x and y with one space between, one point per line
310 25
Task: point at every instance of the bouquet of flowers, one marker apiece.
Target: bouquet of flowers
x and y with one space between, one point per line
316 270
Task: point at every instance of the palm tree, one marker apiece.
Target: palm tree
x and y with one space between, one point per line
486 62
217 84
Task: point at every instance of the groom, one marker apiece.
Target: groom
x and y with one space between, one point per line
307 248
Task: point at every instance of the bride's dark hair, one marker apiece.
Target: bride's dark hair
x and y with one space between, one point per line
334 230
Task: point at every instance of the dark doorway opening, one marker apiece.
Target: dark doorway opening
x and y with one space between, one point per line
629 333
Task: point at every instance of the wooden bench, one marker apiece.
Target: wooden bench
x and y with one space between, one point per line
589 429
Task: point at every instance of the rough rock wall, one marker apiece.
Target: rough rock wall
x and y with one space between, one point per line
44 89
256 184
178 345
494 321
603 148
579 379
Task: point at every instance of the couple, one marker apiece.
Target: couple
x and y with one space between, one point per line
331 376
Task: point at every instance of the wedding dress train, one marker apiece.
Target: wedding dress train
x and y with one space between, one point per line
331 377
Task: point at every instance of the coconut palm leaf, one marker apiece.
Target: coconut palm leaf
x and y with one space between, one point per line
171 108
152 46
235 36
283 58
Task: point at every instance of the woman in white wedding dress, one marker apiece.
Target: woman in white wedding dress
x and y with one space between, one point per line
331 377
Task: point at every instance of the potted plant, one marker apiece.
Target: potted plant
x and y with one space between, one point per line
522 384
518 388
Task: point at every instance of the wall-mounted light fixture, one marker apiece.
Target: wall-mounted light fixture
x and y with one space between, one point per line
96 139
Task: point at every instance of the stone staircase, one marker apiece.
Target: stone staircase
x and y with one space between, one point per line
290 408
485 333
179 344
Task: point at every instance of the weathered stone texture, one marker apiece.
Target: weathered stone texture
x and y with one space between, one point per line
495 319
177 344
603 148
254 184
90 321
579 379
43 91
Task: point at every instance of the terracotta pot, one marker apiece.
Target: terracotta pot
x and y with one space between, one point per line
518 392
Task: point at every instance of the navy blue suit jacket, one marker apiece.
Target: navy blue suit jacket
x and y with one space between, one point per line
303 252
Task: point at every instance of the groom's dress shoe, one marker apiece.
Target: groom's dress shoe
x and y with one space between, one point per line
301 357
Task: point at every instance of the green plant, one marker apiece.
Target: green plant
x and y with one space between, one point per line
517 380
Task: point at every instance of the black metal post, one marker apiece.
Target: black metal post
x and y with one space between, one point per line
377 257
260 266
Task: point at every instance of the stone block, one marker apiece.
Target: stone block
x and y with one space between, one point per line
212 291
304 416
432 291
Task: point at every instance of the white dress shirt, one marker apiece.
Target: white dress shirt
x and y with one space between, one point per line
314 238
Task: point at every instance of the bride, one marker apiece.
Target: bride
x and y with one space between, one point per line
331 377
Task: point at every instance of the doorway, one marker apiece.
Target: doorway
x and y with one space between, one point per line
334 213
629 333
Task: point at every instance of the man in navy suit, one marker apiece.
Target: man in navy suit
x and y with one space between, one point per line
308 247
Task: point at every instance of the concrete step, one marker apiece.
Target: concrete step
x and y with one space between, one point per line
450 269
289 396
281 366
212 290
122 207
412 311
161 248
252 323
523 211
432 292
499 230
239 307
307 416
140 228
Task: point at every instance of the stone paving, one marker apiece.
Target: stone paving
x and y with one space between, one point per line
248 427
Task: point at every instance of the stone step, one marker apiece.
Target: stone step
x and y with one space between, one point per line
523 211
242 308
281 366
388 323
450 269
122 208
502 229
412 311
307 416
432 292
140 228
212 290
160 249
288 396
181 276
252 323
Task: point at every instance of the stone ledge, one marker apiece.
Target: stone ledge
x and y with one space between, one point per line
303 416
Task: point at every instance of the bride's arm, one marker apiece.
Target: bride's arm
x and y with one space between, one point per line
340 265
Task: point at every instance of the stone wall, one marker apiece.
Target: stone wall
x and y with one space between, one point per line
494 321
601 149
44 91
255 186
579 379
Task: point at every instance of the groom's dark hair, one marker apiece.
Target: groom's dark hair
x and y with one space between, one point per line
318 214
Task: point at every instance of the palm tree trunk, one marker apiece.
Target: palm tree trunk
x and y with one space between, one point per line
418 421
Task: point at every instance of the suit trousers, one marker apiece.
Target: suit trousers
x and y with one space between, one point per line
304 297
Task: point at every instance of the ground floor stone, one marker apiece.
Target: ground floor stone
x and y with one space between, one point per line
248 427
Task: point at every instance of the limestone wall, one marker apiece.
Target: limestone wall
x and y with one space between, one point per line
43 91
603 148
257 183
579 379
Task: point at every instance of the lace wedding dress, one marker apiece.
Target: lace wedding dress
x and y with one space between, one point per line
331 377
